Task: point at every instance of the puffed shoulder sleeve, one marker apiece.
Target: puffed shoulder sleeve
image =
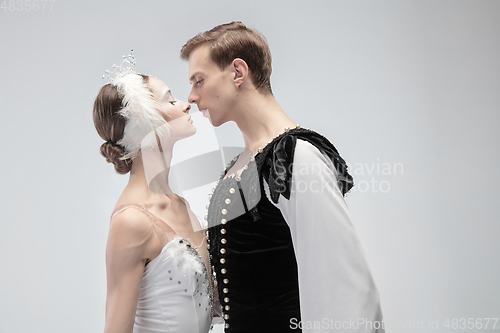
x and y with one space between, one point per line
337 291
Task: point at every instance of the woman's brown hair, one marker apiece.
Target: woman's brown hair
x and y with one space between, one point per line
110 125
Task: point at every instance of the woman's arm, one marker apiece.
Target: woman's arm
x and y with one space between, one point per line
131 241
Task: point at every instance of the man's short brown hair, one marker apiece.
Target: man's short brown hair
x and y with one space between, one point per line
234 40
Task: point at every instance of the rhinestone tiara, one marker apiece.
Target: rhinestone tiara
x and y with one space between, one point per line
127 66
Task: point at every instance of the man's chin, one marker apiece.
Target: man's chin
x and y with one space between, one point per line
217 123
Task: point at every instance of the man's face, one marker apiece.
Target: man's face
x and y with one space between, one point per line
213 89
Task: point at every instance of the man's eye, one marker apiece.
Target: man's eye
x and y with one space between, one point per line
172 102
199 82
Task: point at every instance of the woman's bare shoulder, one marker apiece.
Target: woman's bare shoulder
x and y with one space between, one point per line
130 226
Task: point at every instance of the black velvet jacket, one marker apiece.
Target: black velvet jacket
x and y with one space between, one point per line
250 243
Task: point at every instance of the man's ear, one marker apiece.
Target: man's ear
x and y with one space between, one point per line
240 69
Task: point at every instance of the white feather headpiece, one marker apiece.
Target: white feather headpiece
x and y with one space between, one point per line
138 106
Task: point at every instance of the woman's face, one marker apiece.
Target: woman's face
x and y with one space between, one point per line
174 111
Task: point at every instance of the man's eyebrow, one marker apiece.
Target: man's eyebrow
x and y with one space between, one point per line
191 79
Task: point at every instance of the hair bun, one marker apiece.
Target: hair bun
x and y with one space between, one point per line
112 153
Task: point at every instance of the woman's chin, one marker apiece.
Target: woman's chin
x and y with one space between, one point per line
185 134
192 132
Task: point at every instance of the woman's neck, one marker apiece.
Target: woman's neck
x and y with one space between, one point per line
157 166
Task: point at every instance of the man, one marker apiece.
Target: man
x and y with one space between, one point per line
284 251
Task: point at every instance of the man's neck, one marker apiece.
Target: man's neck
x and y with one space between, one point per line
260 119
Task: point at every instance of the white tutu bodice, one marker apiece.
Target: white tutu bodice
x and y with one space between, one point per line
175 293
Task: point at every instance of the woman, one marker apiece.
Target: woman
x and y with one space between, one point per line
158 271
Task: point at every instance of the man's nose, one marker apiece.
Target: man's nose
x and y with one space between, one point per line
192 98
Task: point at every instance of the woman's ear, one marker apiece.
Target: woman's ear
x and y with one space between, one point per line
240 69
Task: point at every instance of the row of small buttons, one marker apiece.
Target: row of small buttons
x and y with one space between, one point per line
223 231
223 271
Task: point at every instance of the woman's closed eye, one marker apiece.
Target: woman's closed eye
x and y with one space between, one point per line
172 102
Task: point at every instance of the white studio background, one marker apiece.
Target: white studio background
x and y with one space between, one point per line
408 91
